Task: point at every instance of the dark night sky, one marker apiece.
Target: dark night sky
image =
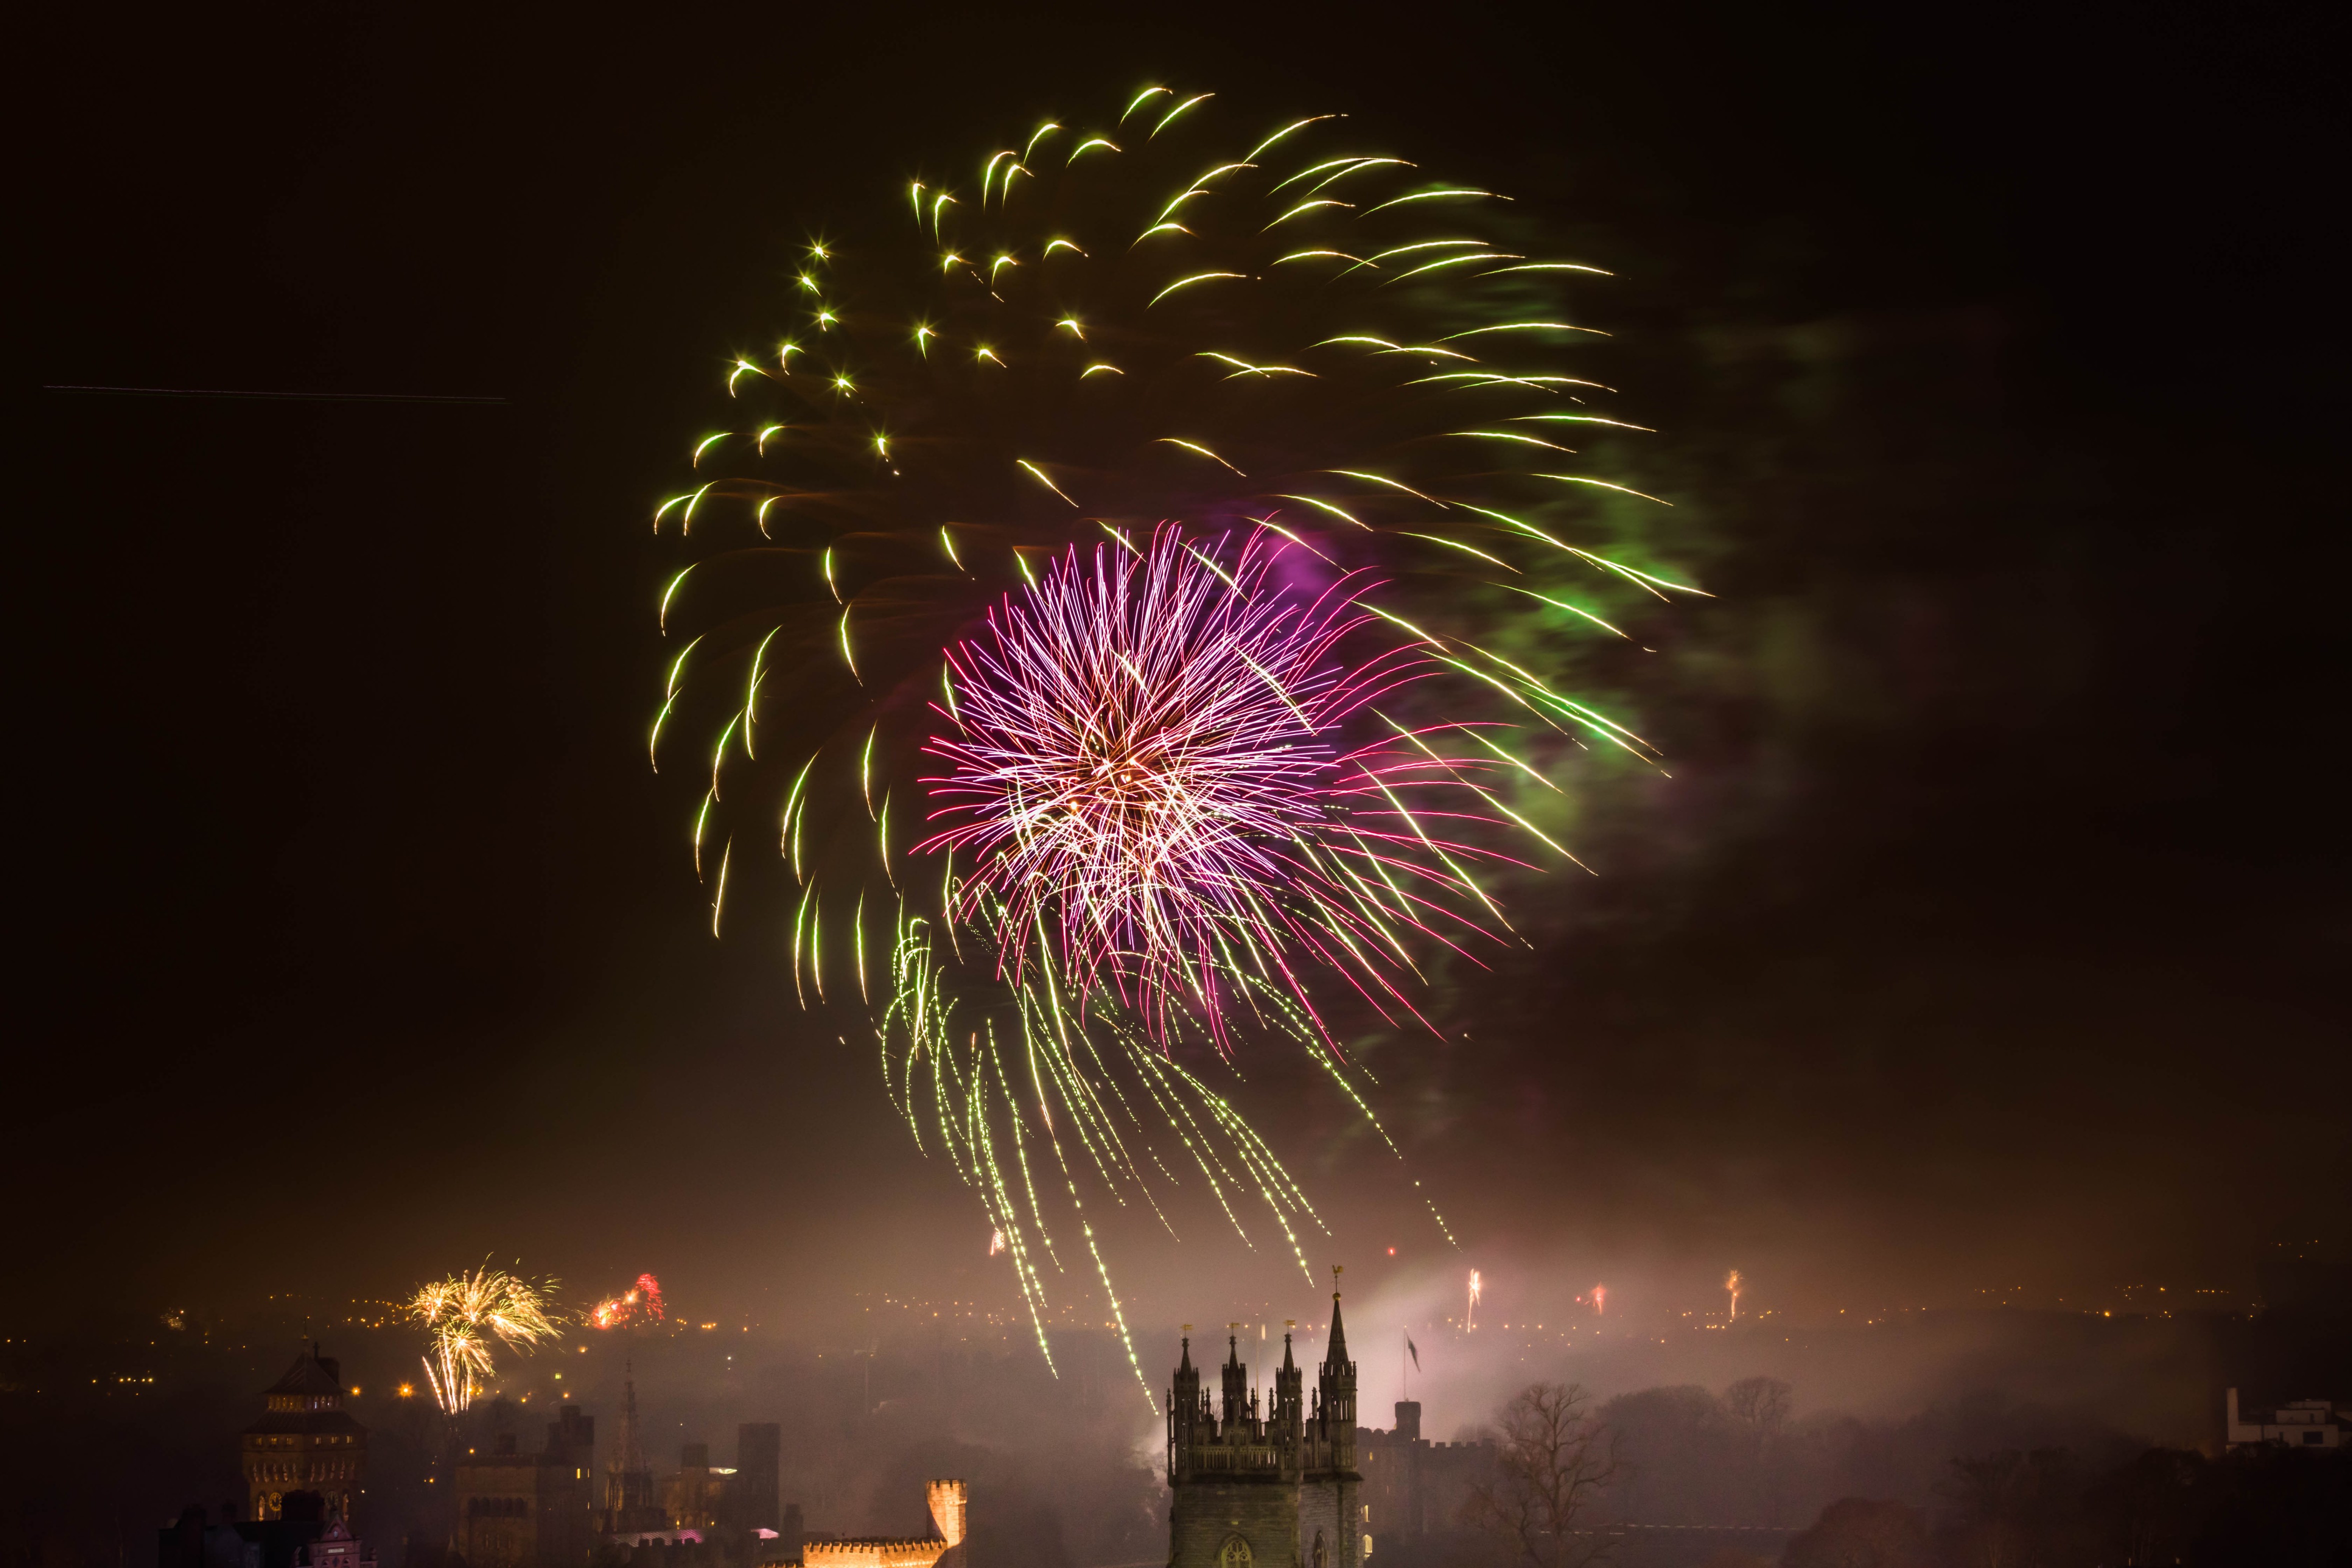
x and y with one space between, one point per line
1992 923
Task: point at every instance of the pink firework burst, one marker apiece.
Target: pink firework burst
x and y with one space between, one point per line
1152 782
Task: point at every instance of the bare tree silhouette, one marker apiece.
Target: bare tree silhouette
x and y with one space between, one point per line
1553 1458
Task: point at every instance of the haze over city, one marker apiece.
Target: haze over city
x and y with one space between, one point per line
1880 1012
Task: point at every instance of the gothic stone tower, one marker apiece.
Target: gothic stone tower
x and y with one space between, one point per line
1271 1488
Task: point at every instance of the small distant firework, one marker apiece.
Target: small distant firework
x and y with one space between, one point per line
995 1241
468 1316
1600 1301
1732 1282
1470 1314
640 1303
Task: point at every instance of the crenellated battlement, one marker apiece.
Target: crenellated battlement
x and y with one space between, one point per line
872 1553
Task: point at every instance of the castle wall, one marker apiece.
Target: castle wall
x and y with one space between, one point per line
1416 1490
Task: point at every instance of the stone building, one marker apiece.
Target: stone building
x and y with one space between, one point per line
701 1496
531 1510
305 1442
696 1496
1271 1488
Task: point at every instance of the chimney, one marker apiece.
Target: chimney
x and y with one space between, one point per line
947 1499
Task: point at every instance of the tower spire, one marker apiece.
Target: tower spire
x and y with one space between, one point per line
1337 1355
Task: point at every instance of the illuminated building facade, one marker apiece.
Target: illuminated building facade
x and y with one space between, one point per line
531 1510
305 1442
1276 1489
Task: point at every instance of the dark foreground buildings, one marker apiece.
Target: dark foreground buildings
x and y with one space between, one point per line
301 1536
304 1462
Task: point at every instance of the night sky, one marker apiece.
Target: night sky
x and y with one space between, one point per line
1989 932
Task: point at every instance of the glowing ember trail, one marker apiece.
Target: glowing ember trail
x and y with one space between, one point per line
1731 1282
1470 1312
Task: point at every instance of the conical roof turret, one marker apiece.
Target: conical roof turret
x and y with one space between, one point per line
1337 1356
